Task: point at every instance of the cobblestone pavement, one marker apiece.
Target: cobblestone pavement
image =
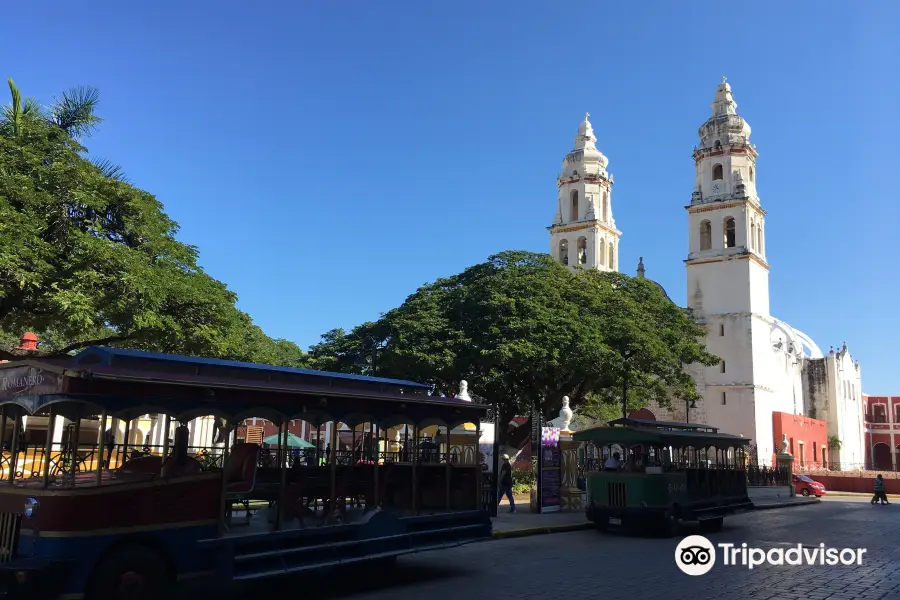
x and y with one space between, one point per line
589 564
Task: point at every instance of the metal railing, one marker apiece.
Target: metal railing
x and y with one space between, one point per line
765 476
847 469
488 494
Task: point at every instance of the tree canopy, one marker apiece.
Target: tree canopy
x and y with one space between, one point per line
525 331
88 259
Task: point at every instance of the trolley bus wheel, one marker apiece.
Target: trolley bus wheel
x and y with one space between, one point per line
671 524
712 525
130 573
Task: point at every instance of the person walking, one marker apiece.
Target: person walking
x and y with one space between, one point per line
879 491
504 484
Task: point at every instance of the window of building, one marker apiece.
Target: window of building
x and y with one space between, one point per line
717 172
815 452
722 367
728 232
897 413
751 173
564 251
582 250
574 205
792 446
753 236
724 398
601 252
879 414
606 206
612 257
705 235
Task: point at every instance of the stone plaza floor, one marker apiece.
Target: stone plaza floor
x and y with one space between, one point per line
588 564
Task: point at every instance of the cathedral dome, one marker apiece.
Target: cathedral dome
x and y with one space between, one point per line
790 340
641 274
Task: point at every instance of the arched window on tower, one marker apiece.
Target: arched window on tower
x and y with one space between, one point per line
717 172
705 235
606 206
751 174
564 251
612 257
760 240
582 250
574 205
601 252
753 237
728 231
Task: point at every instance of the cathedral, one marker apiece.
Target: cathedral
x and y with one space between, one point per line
773 385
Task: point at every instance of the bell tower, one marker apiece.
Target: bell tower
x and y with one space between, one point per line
726 263
583 233
728 276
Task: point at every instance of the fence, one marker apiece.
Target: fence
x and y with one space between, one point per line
764 475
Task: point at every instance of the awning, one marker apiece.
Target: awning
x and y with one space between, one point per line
293 441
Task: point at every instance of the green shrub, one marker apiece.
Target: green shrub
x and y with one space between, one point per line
523 479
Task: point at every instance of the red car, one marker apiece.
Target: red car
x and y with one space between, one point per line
805 486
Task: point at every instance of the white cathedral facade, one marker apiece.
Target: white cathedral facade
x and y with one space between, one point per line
767 366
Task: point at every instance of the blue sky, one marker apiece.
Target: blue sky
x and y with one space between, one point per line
328 158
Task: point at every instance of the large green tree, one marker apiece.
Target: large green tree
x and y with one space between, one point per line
525 331
88 259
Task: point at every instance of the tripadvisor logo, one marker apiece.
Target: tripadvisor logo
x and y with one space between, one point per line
695 555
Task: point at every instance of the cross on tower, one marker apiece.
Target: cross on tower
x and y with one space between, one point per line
724 79
586 115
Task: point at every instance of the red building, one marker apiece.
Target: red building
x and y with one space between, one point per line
807 439
882 431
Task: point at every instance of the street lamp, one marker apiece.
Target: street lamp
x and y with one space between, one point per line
364 361
688 405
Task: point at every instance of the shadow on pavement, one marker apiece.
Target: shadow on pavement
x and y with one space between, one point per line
335 583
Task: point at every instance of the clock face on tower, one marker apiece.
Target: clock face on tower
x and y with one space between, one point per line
718 187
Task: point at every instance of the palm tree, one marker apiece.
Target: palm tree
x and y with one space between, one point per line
17 113
73 112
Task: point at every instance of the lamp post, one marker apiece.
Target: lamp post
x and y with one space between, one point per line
688 405
363 360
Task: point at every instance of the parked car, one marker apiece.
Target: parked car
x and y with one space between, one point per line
806 486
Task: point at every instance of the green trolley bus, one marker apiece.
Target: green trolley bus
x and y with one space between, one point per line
656 475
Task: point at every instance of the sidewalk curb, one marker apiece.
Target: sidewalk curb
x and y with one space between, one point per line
547 529
771 505
858 495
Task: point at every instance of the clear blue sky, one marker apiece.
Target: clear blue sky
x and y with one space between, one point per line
330 157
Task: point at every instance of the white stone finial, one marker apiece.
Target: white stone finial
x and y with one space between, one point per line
586 115
566 414
724 79
464 391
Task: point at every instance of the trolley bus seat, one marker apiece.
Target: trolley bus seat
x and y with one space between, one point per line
150 465
240 472
180 464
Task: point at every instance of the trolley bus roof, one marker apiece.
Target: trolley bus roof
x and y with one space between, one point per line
659 437
128 384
